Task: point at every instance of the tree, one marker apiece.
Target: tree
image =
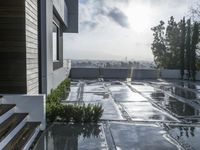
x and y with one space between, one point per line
195 12
182 47
187 46
172 42
158 45
194 42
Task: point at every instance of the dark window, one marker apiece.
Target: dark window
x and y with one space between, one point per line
55 37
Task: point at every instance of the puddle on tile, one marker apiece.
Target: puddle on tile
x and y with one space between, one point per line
173 104
119 88
180 92
127 96
187 135
73 137
140 137
188 85
93 97
144 111
94 88
183 93
111 110
143 88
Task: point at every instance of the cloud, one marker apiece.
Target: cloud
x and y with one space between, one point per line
89 25
94 13
119 17
103 26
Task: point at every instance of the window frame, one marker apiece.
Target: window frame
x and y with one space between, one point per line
57 41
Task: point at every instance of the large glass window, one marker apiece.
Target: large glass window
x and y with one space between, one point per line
55 42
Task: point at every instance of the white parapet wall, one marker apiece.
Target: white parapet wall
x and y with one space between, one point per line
112 73
170 74
123 73
34 105
140 74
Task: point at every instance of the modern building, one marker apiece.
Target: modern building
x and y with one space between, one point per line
31 62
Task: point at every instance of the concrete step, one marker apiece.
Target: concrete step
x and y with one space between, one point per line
24 138
10 127
6 110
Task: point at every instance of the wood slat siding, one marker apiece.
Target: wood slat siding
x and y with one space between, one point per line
12 47
19 47
31 10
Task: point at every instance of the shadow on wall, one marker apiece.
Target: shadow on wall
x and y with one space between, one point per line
124 73
113 73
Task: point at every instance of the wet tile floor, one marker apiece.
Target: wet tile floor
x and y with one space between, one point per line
142 115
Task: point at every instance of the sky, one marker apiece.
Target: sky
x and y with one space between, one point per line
120 29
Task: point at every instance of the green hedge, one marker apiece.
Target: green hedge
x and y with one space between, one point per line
70 113
74 113
59 93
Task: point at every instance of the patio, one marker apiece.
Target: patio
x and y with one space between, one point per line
138 115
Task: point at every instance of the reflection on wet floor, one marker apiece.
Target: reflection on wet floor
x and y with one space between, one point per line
94 88
173 105
147 101
144 111
182 93
97 93
140 137
187 85
179 91
111 110
127 97
94 97
179 108
143 88
73 137
118 88
188 136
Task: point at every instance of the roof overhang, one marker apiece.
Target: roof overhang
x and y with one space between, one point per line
72 16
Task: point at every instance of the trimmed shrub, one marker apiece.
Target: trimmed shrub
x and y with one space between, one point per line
88 113
52 111
61 92
97 112
53 105
66 113
78 113
74 113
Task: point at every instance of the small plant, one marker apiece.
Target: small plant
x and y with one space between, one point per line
97 112
65 113
75 113
60 92
53 105
52 111
78 113
88 113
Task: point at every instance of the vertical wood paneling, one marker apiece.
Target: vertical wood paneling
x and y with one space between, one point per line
31 10
19 47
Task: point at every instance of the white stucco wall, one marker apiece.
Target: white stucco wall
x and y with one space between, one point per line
170 74
33 105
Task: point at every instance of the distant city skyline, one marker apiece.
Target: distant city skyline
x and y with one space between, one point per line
116 29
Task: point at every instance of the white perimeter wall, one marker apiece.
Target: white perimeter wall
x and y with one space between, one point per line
137 74
34 105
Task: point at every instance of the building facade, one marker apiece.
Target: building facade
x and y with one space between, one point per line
31 64
31 44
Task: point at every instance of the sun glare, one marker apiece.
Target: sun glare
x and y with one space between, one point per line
139 16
